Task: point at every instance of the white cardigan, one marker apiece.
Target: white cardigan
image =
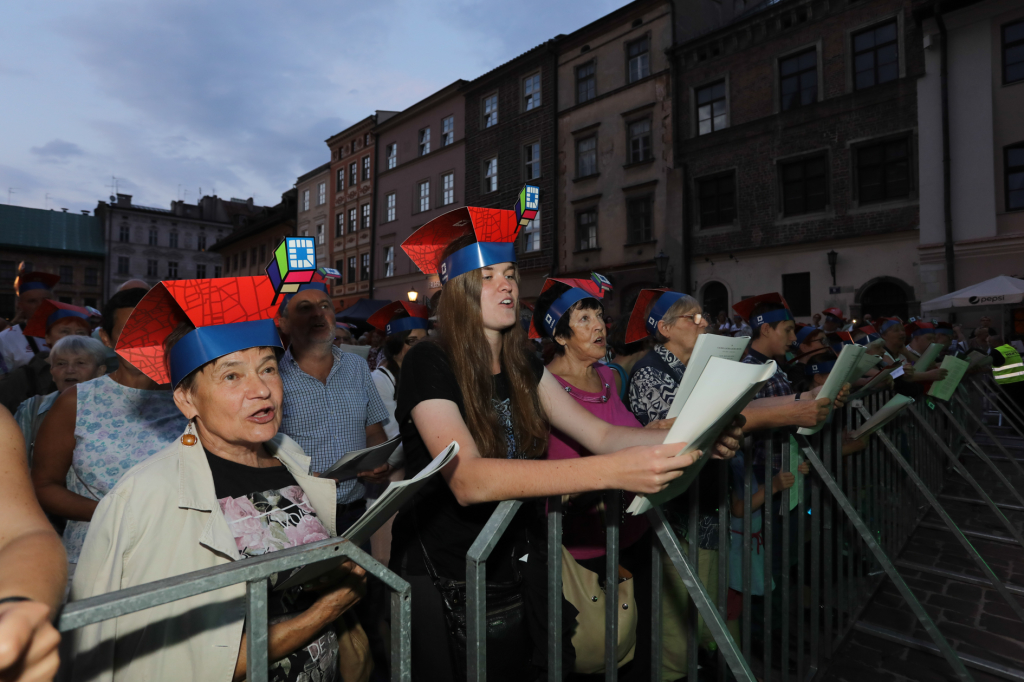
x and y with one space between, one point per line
162 519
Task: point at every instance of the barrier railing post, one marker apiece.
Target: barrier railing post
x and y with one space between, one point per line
999 400
555 588
253 570
656 631
612 511
988 432
256 631
934 502
724 546
712 619
980 453
693 552
962 470
887 565
476 588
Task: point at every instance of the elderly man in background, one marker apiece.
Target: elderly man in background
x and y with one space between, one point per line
331 405
16 349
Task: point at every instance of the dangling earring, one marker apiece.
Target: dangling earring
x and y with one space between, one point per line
189 439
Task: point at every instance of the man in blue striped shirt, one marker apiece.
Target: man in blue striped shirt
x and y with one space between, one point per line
331 405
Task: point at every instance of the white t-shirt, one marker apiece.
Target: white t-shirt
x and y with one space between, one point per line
14 348
385 383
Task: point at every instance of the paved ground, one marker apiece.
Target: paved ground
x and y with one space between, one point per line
974 619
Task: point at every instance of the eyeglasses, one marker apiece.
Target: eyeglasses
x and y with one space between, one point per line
696 317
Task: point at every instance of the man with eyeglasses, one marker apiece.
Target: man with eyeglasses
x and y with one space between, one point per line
331 405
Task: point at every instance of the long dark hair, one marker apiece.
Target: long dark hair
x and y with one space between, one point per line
463 340
393 344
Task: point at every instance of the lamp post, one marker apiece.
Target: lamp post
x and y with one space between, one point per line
661 266
832 258
413 295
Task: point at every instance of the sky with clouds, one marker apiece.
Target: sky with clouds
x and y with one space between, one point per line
232 97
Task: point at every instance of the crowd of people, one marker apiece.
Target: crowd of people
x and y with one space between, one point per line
202 442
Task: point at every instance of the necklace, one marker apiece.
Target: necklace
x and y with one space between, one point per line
589 397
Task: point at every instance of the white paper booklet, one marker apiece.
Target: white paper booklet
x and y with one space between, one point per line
845 365
866 362
955 370
356 462
885 414
707 347
361 351
927 359
387 505
722 392
876 382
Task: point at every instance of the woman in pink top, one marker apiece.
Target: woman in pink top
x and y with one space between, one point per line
573 318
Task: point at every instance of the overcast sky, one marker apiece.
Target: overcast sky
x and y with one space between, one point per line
232 97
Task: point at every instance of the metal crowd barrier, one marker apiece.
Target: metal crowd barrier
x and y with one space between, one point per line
855 515
254 572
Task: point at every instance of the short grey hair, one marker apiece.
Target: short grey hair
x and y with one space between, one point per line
79 345
683 306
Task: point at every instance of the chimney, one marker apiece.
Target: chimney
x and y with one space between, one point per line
124 199
85 212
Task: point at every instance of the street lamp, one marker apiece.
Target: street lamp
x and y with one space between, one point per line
832 258
661 266
413 295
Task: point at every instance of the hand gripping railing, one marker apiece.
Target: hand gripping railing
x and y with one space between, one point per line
254 572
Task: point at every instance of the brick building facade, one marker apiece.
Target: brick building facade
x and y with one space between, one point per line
254 244
313 206
353 169
421 175
797 125
510 141
618 188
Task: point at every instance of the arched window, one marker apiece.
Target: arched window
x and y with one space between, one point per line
714 299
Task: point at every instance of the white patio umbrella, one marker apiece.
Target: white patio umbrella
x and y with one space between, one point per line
997 291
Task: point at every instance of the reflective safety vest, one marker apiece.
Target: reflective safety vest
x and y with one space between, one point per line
1012 370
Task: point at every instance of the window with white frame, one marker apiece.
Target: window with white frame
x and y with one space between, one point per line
424 141
390 204
423 192
491 110
531 92
639 59
321 194
353 174
366 168
586 156
319 234
151 267
531 234
341 179
305 200
366 217
389 261
491 175
351 279
172 269
531 161
876 57
447 131
392 154
364 267
586 82
353 220
586 229
126 234
339 225
201 242
172 240
711 108
447 189
640 141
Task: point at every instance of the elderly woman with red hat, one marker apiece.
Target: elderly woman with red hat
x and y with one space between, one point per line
477 385
231 486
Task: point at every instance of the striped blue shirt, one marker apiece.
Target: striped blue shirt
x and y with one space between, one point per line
328 420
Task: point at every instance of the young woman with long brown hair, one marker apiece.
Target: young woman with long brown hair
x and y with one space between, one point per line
476 385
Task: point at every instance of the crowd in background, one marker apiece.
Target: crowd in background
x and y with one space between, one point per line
94 439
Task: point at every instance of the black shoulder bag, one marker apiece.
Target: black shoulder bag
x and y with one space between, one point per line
508 642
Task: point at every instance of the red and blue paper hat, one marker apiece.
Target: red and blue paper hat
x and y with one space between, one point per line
820 367
573 291
944 328
804 332
887 323
871 336
49 312
836 341
27 281
229 313
293 268
745 309
495 231
916 328
650 307
417 319
834 313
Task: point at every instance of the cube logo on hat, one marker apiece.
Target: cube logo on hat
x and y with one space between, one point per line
301 253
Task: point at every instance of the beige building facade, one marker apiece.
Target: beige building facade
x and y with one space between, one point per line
618 188
985 56
312 218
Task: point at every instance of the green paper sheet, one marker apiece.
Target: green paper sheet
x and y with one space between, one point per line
955 368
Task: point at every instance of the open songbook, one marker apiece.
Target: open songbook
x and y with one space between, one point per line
845 366
723 390
955 370
356 462
927 359
877 382
885 414
707 347
866 362
387 505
